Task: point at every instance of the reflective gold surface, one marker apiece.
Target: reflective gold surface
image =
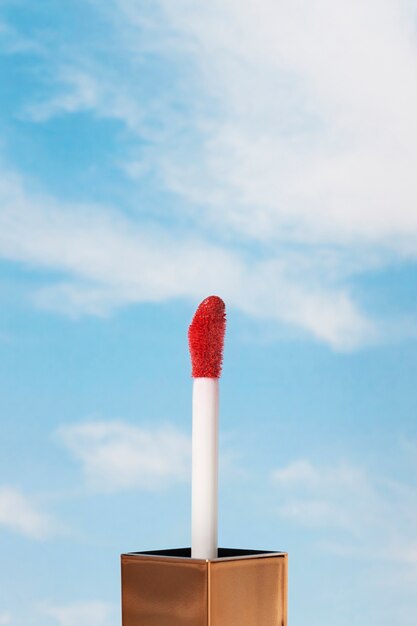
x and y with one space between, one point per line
248 592
238 589
163 592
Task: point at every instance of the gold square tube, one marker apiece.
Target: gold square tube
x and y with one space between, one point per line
239 588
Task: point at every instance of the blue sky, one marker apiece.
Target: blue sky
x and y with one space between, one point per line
152 154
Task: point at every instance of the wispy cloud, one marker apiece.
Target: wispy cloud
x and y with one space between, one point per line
108 260
75 88
295 146
19 513
83 614
80 92
353 513
5 618
292 146
116 455
293 177
13 42
361 525
322 497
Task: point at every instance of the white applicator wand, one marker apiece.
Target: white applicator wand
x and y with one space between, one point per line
206 340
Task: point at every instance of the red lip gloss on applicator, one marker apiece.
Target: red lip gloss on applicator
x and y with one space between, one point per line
205 585
206 340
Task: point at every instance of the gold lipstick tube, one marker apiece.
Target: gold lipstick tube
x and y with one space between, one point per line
239 588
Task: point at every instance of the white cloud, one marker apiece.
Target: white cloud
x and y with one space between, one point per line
81 92
83 614
354 513
13 42
270 143
116 456
301 147
21 514
109 261
5 617
323 496
77 88
303 473
278 142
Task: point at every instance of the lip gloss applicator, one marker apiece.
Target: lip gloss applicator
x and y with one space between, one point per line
205 585
206 341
